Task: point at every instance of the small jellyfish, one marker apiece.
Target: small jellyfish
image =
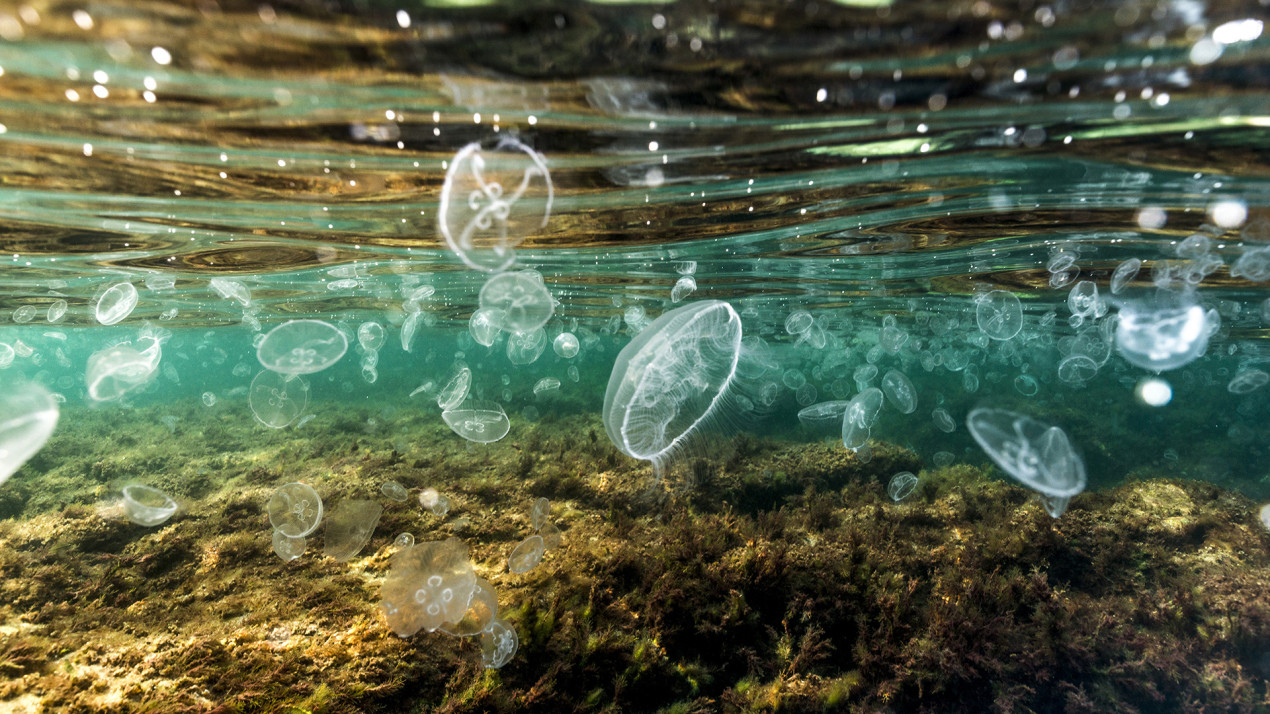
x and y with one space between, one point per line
859 416
943 458
498 644
823 416
901 485
1247 380
349 528
526 347
287 547
899 391
231 290
28 415
147 506
798 322
551 536
24 314
546 384
455 390
120 369
56 311
295 509
566 345
116 303
526 555
209 399
1124 274
538 512
476 420
277 400
302 347
395 491
684 287
999 315
428 586
492 199
521 297
436 503
371 336
403 540
485 325
943 420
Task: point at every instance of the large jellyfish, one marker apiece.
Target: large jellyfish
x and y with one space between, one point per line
671 382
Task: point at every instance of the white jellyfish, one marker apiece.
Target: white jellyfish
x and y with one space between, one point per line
478 420
521 297
999 314
29 416
1039 456
1162 334
302 347
147 506
277 400
428 586
116 303
295 509
899 391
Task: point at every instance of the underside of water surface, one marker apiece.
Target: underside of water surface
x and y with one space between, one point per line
870 355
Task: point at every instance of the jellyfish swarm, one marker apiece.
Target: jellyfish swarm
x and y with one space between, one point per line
491 200
1037 455
30 415
671 383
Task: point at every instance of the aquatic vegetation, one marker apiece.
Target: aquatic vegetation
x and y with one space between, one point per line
349 528
277 400
478 420
29 417
901 485
429 585
295 509
1037 455
147 506
521 297
1162 334
116 303
492 199
302 347
671 381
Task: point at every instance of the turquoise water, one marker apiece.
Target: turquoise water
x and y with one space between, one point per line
881 167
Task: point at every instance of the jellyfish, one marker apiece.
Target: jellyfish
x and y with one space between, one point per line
302 347
526 555
277 400
566 345
684 287
1037 455
349 528
455 390
498 644
546 384
485 325
428 585
29 416
859 416
481 611
231 290
492 200
943 420
1124 274
825 415
672 381
147 506
295 509
116 303
521 297
477 420
288 548
526 347
120 369
999 314
395 491
1162 334
899 391
901 485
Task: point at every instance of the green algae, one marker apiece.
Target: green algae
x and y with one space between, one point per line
772 576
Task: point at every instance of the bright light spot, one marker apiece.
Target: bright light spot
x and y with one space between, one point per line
3 128
1228 213
100 91
161 55
101 77
532 120
1237 31
822 94
652 146
88 149
476 118
1205 51
1265 516
1153 392
659 21
72 95
403 19
1020 75
150 84
1152 217
282 162
83 19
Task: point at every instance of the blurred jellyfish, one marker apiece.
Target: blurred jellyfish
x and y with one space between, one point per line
566 345
29 415
116 303
1037 455
1162 334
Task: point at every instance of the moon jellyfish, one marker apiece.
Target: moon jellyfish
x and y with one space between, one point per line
455 390
481 611
1161 337
538 512
899 391
277 400
521 297
29 417
302 347
551 536
498 644
403 540
901 485
287 547
1124 274
546 384
117 370
371 336
231 290
526 347
825 415
147 506
672 380
395 491
436 503
1026 385
492 200
859 416
428 585
999 314
943 420
566 345
526 555
476 420
56 311
1037 455
1247 380
295 509
24 314
7 355
408 329
116 303
349 528
485 325
684 287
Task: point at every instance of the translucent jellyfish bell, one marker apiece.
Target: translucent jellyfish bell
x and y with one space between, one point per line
672 379
28 415
147 506
526 555
859 416
521 297
119 369
1037 455
349 528
498 644
302 347
899 391
295 509
455 390
825 415
116 303
492 199
428 586
476 420
999 314
277 400
1162 334
901 485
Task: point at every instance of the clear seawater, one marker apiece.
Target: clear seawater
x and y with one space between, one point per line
874 164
